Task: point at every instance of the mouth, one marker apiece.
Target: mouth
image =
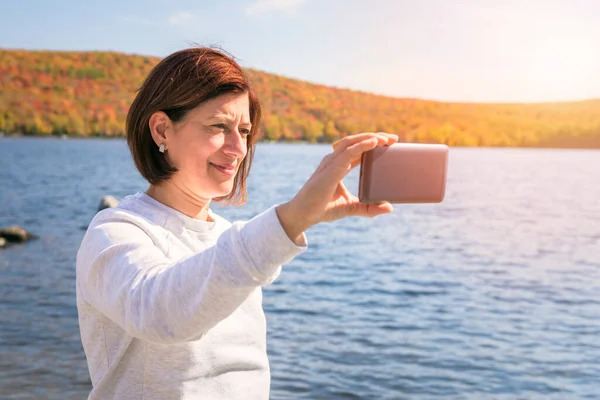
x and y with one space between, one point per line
227 169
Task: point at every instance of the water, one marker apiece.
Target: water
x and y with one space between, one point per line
493 294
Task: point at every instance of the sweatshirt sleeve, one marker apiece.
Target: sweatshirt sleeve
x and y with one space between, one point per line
124 275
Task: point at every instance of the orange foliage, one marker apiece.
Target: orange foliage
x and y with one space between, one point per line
88 93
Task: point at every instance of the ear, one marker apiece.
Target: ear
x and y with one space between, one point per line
159 123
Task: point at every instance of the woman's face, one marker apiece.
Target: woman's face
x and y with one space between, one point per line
208 145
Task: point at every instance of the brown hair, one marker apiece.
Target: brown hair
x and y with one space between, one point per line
177 84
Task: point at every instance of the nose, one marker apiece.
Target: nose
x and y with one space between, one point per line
235 145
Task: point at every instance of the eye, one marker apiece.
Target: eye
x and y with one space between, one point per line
220 126
245 131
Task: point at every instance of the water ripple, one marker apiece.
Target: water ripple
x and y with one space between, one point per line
493 294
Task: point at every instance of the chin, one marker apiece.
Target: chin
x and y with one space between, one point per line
222 190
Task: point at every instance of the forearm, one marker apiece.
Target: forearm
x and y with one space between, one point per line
292 222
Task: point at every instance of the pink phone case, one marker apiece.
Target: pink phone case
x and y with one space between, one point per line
404 173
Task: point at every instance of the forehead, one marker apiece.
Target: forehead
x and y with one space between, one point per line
230 106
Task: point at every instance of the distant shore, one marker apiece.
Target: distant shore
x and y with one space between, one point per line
266 141
89 93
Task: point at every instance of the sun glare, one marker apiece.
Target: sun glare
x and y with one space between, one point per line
560 65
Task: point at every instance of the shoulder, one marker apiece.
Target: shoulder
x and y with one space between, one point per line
126 223
120 218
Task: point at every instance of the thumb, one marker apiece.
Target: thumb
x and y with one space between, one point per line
374 210
368 210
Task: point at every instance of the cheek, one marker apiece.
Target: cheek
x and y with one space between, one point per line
200 153
245 148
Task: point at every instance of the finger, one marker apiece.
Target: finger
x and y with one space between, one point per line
339 165
352 139
391 138
344 158
355 163
353 154
348 141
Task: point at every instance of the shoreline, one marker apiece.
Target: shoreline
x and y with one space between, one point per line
288 142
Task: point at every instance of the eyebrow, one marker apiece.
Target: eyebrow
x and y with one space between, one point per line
227 118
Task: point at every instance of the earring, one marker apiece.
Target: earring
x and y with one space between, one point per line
161 148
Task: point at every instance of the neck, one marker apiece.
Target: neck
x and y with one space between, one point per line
181 200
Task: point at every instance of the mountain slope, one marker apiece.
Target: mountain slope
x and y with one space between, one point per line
88 93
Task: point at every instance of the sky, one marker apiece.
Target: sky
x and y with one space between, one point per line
448 50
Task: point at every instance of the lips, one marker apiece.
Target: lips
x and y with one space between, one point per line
225 168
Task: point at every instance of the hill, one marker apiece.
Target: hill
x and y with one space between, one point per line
88 94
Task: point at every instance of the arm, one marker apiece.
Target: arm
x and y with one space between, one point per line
126 277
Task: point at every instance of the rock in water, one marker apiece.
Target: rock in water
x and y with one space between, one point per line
15 234
2 242
107 202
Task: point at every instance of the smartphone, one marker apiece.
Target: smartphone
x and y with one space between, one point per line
404 173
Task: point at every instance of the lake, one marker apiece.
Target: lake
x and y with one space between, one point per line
492 294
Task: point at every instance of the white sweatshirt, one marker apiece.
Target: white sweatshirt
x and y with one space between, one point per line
171 307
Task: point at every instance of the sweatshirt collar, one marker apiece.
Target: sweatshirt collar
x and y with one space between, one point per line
177 218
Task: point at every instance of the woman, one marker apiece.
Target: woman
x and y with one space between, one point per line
169 293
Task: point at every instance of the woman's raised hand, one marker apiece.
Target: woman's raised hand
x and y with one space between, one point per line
324 197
